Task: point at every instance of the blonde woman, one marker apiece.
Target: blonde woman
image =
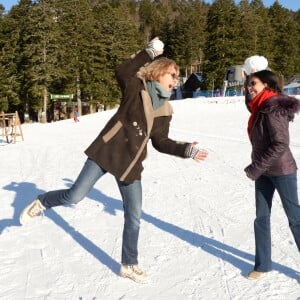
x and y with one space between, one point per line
144 114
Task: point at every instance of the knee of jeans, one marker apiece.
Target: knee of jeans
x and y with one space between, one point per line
132 222
262 219
69 200
264 214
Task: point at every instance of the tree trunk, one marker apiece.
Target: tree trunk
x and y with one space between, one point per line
45 101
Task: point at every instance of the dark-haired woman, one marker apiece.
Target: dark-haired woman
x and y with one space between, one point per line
273 166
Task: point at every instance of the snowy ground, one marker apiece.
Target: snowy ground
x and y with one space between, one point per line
196 237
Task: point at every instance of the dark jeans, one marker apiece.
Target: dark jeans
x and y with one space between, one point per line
132 204
265 186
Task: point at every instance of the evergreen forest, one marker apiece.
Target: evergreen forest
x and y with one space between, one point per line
72 47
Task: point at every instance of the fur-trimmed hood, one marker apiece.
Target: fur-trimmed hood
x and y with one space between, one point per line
283 104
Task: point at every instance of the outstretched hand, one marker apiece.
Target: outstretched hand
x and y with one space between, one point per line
200 154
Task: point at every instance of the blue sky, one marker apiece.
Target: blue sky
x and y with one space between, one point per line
290 4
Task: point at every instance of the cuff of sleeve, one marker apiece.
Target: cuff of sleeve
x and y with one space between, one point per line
248 173
151 53
190 151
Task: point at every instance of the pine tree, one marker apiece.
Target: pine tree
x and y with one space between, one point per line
285 54
221 47
187 36
117 39
263 30
11 32
76 29
152 15
40 59
74 46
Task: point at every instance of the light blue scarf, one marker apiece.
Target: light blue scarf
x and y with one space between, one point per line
158 94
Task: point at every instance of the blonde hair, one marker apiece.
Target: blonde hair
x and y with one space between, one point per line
157 68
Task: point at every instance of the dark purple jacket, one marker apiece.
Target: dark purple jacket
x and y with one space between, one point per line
271 154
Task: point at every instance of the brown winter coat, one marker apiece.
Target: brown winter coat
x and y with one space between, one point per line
271 155
121 146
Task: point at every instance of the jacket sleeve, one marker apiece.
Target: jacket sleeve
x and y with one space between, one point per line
128 69
278 130
162 143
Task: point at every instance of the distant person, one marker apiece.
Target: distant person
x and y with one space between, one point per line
144 114
76 116
252 64
273 166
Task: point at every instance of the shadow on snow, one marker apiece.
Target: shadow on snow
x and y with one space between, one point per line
236 257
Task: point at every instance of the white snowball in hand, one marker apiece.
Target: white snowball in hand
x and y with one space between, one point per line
158 45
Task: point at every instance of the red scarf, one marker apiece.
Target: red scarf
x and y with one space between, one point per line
255 105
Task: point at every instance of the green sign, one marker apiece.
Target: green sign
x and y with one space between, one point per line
60 97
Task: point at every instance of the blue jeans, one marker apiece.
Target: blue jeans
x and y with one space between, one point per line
265 186
132 204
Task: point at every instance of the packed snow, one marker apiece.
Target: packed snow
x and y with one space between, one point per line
196 239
